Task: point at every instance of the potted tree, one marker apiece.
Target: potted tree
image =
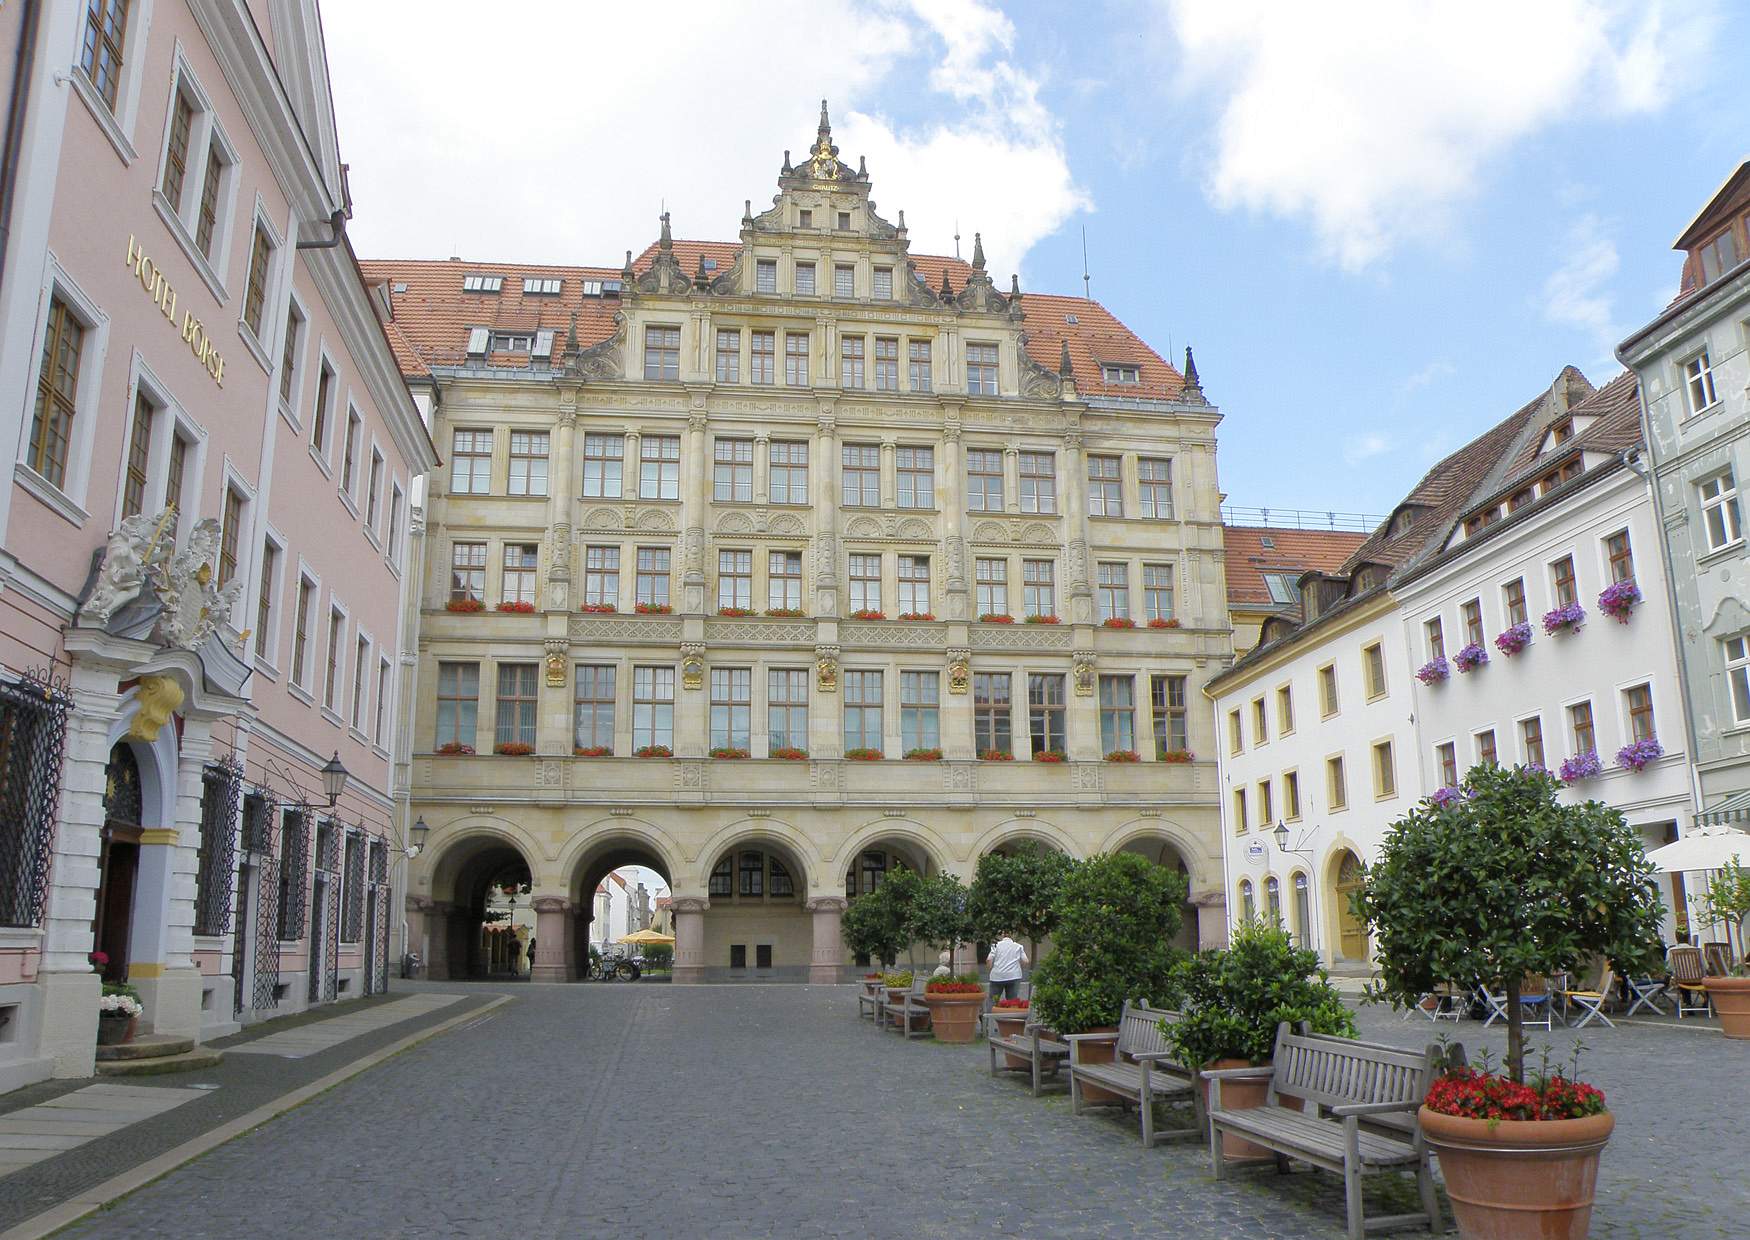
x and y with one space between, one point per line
1728 899
874 926
1494 884
1018 891
937 916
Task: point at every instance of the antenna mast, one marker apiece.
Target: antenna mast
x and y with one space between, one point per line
1086 295
956 239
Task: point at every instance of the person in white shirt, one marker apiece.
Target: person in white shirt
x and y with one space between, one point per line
1005 960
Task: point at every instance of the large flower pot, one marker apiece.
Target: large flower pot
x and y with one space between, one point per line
1238 1096
1011 1023
1731 999
1098 1052
114 1030
1517 1179
954 1017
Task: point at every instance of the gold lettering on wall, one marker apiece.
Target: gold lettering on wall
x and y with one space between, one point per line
194 332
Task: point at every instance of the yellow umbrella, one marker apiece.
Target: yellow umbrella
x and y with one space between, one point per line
647 937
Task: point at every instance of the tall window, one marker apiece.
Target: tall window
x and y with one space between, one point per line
796 359
207 217
984 480
1580 723
914 585
139 454
517 691
851 362
732 471
865 578
374 490
861 479
468 572
729 357
101 46
593 711
1112 589
1472 613
731 707
784 580
1373 664
325 405
916 477
1385 773
762 359
301 631
177 470
735 579
1260 723
1242 824
1117 713
336 657
992 587
765 276
660 467
361 663
350 449
805 277
1157 591
289 355
863 710
1639 701
1045 717
844 280
1328 704
270 567
1719 510
1621 556
992 715
470 462
601 576
1038 587
1698 382
1236 734
1336 783
230 534
653 576
1562 579
255 284
787 708
1486 752
883 284
1531 740
919 698
981 369
886 364
1105 490
603 462
57 393
1291 794
652 707
528 462
1038 482
1154 485
789 472
1435 632
1284 710
1737 653
521 565
918 371
1446 757
1266 803
1513 599
458 703
378 731
1167 703
662 353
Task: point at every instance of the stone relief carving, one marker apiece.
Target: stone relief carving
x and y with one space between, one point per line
601 519
826 669
959 669
692 665
750 632
863 527
826 563
617 629
1037 381
606 358
878 635
1021 637
788 523
735 523
915 528
828 777
1038 532
121 573
557 649
656 519
989 531
194 606
1089 777
1082 669
958 777
549 774
690 775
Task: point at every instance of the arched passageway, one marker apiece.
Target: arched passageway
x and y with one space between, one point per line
568 925
1163 851
474 930
756 927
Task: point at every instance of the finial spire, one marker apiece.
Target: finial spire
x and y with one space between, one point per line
626 271
1191 380
1014 284
666 241
863 168
946 291
978 251
571 335
1064 366
787 167
825 125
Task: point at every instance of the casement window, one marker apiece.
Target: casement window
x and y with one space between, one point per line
1260 722
1718 256
765 276
379 721
102 43
1336 783
468 572
336 658
1520 498
206 227
787 708
521 567
992 586
918 365
539 286
1620 556
290 356
1117 713
886 364
1485 747
261 251
301 610
470 462
863 710
784 580
1328 703
1434 632
1581 726
176 149
138 471
1291 795
1373 665
1155 487
796 359
662 353
1045 713
844 280
1105 490
374 490
981 369
762 358
652 707
528 462
860 485
361 663
992 714
731 707
230 533
865 579
1121 375
805 278
517 695
660 467
728 357
349 450
1513 601
1039 587
984 480
1719 510
1266 803
914 585
1112 589
735 579
176 470
883 284
1385 773
1472 613
482 284
1284 710
1236 735
1157 591
603 465
653 576
919 707
1638 701
325 406
1556 477
1562 581
1737 660
732 471
1171 722
458 703
851 362
1531 740
264 598
1446 760
57 393
844 221
1242 824
1698 383
1038 478
916 477
788 479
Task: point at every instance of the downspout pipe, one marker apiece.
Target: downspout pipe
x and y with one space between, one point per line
336 231
17 110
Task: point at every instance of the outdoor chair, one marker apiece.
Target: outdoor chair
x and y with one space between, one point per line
1534 1003
1644 992
1591 1001
1444 1002
1718 959
1684 961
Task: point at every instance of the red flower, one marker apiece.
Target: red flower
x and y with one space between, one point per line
599 609
1118 622
1469 1094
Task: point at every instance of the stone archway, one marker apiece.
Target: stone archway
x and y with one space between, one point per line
564 924
470 882
757 925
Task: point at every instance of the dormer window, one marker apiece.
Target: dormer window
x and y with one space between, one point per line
1718 256
1120 373
1478 521
541 287
844 221
479 340
707 264
513 342
592 288
1562 431
1282 587
1520 498
482 284
805 219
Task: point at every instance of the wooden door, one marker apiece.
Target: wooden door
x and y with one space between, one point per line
1351 933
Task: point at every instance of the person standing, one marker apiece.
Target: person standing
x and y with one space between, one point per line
531 957
1006 959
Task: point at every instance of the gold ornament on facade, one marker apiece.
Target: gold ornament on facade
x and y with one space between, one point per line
158 696
692 665
1084 673
959 670
826 672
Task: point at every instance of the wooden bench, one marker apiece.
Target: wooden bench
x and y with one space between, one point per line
1044 1055
1142 1071
909 1014
1341 1083
869 1001
1400 1124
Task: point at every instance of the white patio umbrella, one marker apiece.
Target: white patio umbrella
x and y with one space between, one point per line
1703 848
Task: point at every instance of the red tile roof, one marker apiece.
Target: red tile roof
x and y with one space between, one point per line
1250 556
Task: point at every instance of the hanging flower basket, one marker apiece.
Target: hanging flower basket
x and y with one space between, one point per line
1158 623
465 605
1471 657
1581 766
1177 756
995 755
728 753
653 751
1434 671
1571 618
863 755
598 609
514 749
653 609
868 613
518 606
1049 755
996 617
735 611
1637 756
593 751
917 615
789 753
1511 641
455 749
1042 620
921 755
1118 622
1124 755
784 613
1618 600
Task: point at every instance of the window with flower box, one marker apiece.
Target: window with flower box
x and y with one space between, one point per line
653 577
468 572
992 715
991 586
784 581
865 579
788 482
1472 613
601 576
1435 635
521 564
1039 587
603 459
1562 581
517 695
652 707
593 711
919 712
735 579
732 471
860 485
1157 591
731 707
1167 700
1580 724
458 703
1446 759
1620 556
914 585
1045 713
863 710
1112 589
1639 702
1117 713
1513 600
1038 478
787 708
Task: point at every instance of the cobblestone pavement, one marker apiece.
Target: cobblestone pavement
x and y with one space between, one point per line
772 1111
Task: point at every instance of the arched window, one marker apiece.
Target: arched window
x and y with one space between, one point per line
1302 912
1248 906
1273 900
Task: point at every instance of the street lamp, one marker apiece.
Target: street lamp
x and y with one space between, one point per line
1280 833
333 779
417 835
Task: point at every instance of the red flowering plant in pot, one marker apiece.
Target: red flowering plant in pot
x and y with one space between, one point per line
516 605
917 615
1158 623
598 609
863 754
868 613
735 611
653 751
1049 755
996 617
653 609
789 753
592 751
923 755
1118 622
452 749
1496 885
464 605
1728 902
513 749
1042 619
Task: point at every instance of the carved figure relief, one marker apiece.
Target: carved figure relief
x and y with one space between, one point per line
959 669
121 574
826 669
158 696
692 665
1083 671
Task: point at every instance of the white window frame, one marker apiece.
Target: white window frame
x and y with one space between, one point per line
1731 512
68 499
360 687
306 689
182 218
323 453
230 478
328 708
269 661
117 126
1737 667
385 693
1704 376
346 492
300 372
276 265
374 496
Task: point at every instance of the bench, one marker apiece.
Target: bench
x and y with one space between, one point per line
1142 1071
869 1001
1043 1055
1400 1124
1341 1082
909 1014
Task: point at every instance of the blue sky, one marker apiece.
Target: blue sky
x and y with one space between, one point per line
1382 226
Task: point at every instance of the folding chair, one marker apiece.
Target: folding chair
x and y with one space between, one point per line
1684 961
1441 1003
1591 1002
1496 1005
1534 1003
1644 992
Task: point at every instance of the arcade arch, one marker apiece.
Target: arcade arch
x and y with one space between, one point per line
474 880
1163 850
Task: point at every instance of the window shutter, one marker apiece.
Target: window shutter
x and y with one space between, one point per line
544 342
477 340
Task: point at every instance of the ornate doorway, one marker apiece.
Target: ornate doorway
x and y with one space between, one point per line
1351 933
118 863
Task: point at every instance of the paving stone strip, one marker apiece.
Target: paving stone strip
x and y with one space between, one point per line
43 1131
309 1039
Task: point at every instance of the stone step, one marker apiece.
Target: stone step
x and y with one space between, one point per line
146 1046
189 1061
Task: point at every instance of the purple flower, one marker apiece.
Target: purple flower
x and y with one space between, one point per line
1619 599
1434 670
1634 757
1570 618
1512 641
1471 657
1446 797
1581 766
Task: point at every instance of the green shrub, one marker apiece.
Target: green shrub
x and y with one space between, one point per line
1728 900
874 923
936 913
897 981
658 956
1018 892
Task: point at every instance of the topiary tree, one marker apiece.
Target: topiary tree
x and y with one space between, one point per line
1018 892
1117 914
1501 881
936 913
874 924
1728 901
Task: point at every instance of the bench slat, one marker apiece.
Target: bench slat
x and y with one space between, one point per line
1291 1131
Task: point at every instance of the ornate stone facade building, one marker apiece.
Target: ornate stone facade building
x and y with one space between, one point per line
773 564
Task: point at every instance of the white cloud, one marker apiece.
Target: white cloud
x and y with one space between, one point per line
1359 448
560 139
1433 372
1577 294
1376 121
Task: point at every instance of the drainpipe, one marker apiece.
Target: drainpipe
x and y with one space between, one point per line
17 108
336 231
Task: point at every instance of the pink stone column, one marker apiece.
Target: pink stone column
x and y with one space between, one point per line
826 962
437 940
551 929
689 939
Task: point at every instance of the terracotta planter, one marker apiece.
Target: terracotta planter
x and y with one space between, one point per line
1098 1052
1731 999
1010 1023
954 1017
1239 1096
1514 1179
114 1030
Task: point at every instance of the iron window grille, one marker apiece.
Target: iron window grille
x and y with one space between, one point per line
33 733
216 866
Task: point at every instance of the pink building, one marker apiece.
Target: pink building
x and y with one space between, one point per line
203 541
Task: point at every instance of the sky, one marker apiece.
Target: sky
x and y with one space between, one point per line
1383 225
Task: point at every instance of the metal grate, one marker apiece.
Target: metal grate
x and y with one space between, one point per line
377 962
294 872
216 867
267 948
353 901
33 734
258 821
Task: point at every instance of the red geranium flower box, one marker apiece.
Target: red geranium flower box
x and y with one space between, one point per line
728 753
997 617
1042 620
786 613
514 749
917 615
943 986
653 751
863 755
735 611
1118 622
653 609
923 755
1163 624
1177 755
517 606
465 605
996 755
868 613
455 748
593 751
789 753
1124 755
598 609
1049 755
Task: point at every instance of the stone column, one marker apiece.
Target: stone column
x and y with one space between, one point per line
559 506
889 471
762 469
826 515
953 573
1075 532
695 476
1011 479
689 939
826 961
160 965
437 940
551 963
